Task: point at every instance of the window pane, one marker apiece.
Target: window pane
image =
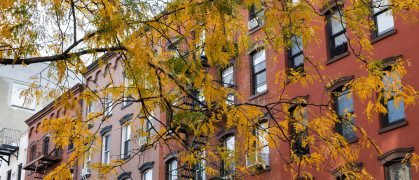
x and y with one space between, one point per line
228 77
261 88
260 79
384 22
399 171
148 175
345 102
395 113
259 67
296 44
340 40
336 24
299 61
258 57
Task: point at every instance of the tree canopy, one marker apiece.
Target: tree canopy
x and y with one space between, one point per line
172 51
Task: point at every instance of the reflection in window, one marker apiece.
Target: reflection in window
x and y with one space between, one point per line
395 109
259 72
344 109
337 34
383 17
295 54
398 171
172 170
106 147
148 175
299 131
228 165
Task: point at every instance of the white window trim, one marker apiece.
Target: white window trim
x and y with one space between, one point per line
126 136
104 152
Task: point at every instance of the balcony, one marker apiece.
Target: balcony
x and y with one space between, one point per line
9 144
41 156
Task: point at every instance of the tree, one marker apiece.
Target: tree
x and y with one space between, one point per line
170 50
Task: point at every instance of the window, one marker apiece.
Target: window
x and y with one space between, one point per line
87 162
90 107
19 172
126 138
337 34
19 101
255 16
295 54
398 170
200 170
46 146
33 152
106 146
262 133
228 165
344 108
9 175
58 151
172 170
108 103
228 82
148 175
299 131
383 17
394 104
259 72
128 82
147 128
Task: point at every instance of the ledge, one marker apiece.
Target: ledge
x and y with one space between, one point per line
383 36
126 105
336 58
261 170
258 94
255 29
125 157
353 140
391 127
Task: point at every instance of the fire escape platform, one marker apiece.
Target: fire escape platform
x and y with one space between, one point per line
42 162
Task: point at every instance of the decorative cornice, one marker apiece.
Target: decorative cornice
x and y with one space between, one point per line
339 83
224 132
394 154
339 171
171 155
105 130
146 166
387 62
293 105
126 118
332 4
125 175
50 107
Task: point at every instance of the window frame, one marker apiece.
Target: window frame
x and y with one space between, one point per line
385 121
337 94
224 74
126 140
296 144
291 57
232 166
45 147
144 174
170 169
128 82
334 51
106 153
261 71
374 17
393 162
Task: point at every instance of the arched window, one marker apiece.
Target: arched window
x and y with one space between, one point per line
172 170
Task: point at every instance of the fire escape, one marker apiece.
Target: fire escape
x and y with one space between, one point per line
41 156
9 144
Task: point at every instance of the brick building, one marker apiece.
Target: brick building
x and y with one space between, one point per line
42 154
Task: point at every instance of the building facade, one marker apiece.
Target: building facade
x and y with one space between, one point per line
43 156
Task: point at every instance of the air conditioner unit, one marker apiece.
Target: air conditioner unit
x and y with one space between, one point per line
261 160
252 23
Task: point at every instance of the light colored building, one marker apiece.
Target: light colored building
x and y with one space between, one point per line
11 167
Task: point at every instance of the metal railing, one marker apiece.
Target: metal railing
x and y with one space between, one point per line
9 137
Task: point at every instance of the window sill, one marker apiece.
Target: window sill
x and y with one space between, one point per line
70 151
258 94
353 140
383 36
125 157
260 170
126 105
338 57
391 127
255 29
